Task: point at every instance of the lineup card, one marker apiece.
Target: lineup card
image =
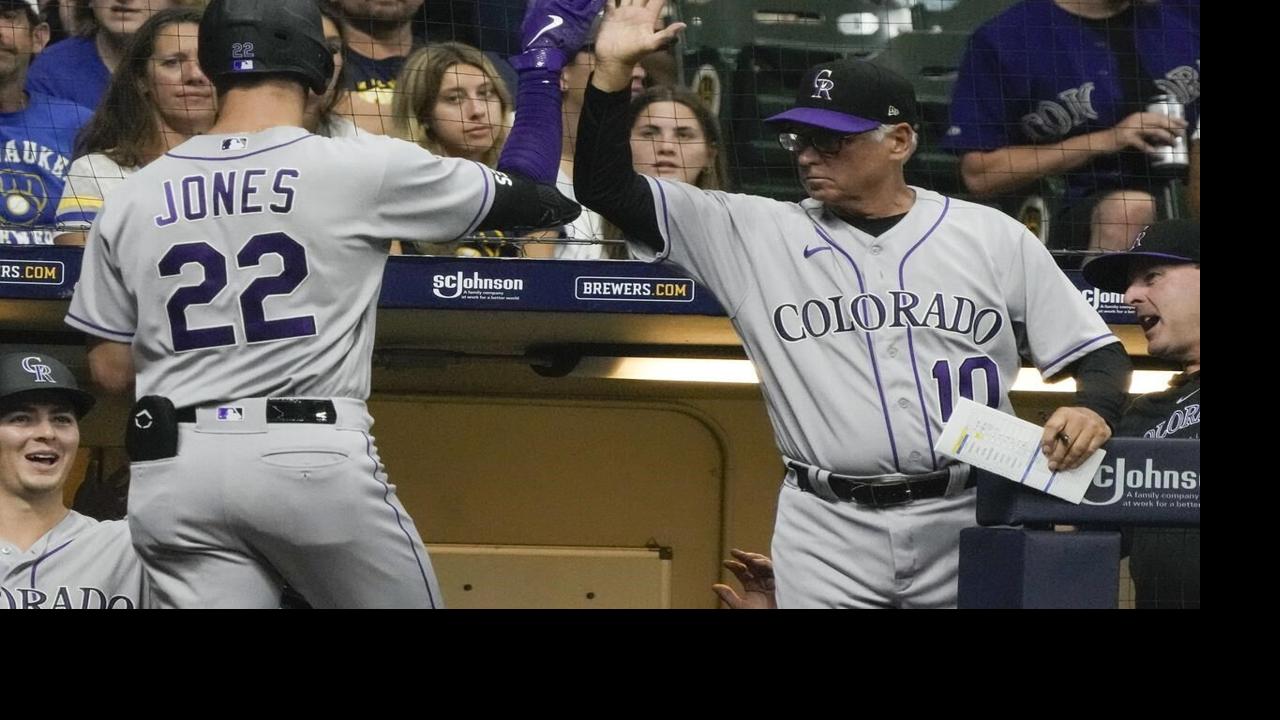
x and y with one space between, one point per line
1010 447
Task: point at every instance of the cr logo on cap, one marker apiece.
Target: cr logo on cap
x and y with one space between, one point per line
36 367
1137 242
822 84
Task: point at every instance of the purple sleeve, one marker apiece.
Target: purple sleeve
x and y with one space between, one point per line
533 147
979 115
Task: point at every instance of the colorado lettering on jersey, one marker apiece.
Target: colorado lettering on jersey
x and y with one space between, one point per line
227 192
65 598
1182 82
818 317
1055 119
1179 420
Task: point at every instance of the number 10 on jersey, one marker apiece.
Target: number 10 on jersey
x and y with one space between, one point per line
966 372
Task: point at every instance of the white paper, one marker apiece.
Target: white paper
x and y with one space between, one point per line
1010 447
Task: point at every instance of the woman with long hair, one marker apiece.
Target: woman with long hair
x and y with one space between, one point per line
158 98
451 100
675 137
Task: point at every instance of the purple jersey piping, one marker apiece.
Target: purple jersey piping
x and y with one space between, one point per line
666 220
386 493
871 350
44 557
911 343
484 172
1082 345
88 324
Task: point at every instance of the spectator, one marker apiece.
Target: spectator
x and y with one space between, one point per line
324 113
79 68
589 228
37 132
673 136
158 99
379 37
451 101
1060 87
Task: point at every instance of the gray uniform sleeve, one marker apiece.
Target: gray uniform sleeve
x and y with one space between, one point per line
1061 327
702 232
102 305
428 198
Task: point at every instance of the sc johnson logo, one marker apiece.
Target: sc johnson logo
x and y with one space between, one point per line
1145 486
31 272
476 287
634 289
1103 300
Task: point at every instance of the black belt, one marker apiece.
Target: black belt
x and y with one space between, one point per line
884 494
281 410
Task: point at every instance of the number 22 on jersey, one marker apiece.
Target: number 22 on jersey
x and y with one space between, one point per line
257 328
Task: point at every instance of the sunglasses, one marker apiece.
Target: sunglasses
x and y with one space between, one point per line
826 143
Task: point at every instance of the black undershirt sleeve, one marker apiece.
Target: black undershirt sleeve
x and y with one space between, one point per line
603 176
1102 381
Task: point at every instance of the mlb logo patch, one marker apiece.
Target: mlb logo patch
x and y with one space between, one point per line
241 65
235 143
228 413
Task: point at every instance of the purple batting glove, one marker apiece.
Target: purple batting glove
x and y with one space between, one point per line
553 31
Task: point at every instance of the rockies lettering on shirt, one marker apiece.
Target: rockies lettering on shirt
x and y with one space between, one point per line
1172 413
80 563
1038 74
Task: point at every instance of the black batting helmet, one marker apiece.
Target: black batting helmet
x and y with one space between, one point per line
248 37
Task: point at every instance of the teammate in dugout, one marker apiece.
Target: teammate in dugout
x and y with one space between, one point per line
1160 278
52 557
867 309
234 279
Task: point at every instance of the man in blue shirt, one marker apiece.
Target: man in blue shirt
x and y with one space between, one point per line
1060 87
37 132
79 68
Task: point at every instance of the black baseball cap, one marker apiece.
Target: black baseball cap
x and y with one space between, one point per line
1172 242
29 372
851 96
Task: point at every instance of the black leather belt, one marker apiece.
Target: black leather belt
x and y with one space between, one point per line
882 494
279 410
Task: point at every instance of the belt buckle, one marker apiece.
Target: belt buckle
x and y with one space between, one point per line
898 493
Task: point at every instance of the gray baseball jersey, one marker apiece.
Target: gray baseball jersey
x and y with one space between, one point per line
79 564
864 343
250 265
243 267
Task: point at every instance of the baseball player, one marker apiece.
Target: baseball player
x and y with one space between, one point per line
52 557
237 277
868 310
1160 278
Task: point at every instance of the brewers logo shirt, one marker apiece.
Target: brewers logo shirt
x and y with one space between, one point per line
35 155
